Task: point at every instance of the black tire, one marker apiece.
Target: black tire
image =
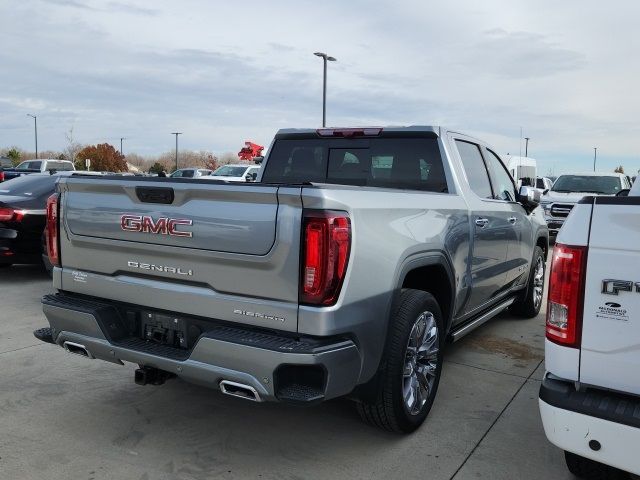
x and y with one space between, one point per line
527 305
388 410
588 469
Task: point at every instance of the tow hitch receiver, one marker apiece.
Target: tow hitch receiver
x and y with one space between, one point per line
152 376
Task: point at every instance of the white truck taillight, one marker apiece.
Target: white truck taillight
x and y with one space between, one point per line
53 245
566 295
326 244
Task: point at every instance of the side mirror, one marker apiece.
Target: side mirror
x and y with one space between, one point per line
529 198
545 192
623 193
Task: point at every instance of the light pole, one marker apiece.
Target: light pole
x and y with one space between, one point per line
325 58
176 134
526 146
595 155
121 139
35 125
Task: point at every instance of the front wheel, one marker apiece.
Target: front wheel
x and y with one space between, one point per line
411 365
528 305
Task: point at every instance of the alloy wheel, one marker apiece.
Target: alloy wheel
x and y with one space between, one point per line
421 363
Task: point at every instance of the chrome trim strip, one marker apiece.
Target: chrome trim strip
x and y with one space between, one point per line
457 335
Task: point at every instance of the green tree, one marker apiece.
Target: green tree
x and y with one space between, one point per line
14 154
104 158
156 168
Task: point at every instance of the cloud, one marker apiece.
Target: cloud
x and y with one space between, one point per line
116 7
71 3
228 72
518 55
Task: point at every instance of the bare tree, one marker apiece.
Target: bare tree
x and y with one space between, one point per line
73 147
228 157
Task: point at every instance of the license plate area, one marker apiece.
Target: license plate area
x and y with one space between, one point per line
163 329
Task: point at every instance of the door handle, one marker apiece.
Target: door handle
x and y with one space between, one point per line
482 222
513 220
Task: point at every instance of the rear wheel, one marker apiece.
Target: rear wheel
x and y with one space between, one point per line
591 470
411 365
528 305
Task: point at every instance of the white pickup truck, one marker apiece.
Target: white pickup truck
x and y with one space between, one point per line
590 396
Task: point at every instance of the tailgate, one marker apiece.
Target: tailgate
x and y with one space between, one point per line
228 252
610 355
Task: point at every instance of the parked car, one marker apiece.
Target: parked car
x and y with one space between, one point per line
22 218
37 166
282 290
236 173
568 189
590 395
193 172
5 164
543 184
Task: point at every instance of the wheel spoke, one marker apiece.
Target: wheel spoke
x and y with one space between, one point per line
425 375
411 393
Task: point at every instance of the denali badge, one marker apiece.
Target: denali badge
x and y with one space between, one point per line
613 287
160 268
162 226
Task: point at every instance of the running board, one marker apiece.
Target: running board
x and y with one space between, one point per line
468 327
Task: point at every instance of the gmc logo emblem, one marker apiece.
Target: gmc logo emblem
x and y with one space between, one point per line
162 226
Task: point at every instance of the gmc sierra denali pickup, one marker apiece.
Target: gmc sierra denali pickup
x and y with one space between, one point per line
590 396
341 271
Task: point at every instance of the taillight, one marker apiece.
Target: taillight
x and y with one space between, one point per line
52 230
349 132
1 176
325 253
11 215
566 295
6 214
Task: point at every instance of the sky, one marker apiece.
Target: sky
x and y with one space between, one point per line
566 73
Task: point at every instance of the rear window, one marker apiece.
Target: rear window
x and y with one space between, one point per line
59 166
230 171
405 163
33 185
32 165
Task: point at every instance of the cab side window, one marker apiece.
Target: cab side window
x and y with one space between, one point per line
475 168
504 188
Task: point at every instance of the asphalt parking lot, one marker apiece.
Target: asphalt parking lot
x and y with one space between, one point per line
63 416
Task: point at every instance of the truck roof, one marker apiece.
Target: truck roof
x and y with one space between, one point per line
595 174
391 128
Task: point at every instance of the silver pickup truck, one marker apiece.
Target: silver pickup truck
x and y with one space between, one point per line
342 271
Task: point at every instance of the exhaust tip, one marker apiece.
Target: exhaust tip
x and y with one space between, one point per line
77 349
239 390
